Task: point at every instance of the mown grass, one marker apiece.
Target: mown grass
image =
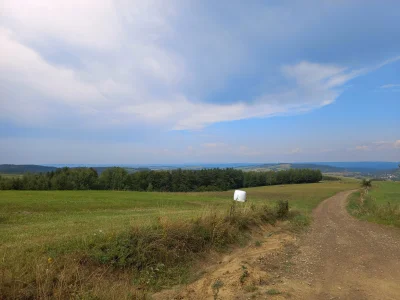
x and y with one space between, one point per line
379 204
69 244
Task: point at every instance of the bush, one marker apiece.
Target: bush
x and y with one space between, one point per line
366 183
282 209
157 250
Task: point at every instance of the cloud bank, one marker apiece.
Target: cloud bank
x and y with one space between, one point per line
150 63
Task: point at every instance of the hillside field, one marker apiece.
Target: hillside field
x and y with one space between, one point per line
30 217
38 225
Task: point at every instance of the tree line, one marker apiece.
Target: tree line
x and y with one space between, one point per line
179 180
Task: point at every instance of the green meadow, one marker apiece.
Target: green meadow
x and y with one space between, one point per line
34 217
381 204
63 244
385 192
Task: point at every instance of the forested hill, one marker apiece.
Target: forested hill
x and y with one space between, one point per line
164 181
21 169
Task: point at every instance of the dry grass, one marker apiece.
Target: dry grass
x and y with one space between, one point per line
132 262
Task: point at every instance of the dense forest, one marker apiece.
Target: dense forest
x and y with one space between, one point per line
117 178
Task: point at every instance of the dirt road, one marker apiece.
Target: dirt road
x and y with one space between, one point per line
344 258
338 258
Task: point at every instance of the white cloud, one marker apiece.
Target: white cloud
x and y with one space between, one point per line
138 65
387 144
89 23
362 148
213 145
378 146
20 64
295 151
388 86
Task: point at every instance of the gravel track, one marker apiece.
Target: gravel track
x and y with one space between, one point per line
344 258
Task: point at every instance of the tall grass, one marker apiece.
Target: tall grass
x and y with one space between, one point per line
364 206
130 263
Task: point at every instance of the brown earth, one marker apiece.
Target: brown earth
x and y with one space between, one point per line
338 258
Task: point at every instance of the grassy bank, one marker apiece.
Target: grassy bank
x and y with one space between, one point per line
73 244
381 204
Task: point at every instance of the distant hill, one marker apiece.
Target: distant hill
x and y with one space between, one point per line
388 170
322 168
362 166
285 166
100 170
20 169
388 174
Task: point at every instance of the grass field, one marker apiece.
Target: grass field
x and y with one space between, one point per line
385 192
380 205
36 225
30 217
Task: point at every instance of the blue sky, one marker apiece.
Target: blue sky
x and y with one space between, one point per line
142 82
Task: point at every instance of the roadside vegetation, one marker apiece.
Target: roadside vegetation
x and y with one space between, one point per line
153 256
378 201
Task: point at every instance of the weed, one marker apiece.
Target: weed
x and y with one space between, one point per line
257 244
273 292
244 275
215 287
250 288
298 221
282 209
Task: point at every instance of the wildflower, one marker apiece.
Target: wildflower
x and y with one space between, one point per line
49 260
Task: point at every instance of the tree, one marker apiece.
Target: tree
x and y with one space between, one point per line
115 178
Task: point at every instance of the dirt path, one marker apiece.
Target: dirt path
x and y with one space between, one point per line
338 258
344 258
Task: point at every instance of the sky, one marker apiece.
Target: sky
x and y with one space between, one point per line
161 82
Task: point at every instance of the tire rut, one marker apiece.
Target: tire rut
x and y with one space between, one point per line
344 258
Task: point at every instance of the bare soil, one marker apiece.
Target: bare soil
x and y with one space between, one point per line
339 257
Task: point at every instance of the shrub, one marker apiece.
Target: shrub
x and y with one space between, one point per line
282 209
366 183
165 245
